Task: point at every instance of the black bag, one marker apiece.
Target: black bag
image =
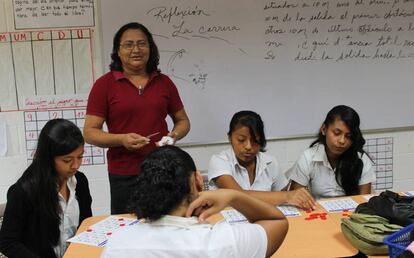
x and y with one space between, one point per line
397 209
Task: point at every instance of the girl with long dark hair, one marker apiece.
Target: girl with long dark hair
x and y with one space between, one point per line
335 164
49 201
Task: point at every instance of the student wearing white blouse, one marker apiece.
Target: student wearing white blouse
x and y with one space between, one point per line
335 164
245 167
168 196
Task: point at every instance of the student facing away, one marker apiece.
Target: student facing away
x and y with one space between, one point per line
335 163
51 199
245 167
169 197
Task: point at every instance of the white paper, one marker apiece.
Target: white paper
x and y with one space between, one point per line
99 233
338 205
233 216
289 210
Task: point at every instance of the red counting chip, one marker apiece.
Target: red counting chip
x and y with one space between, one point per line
120 219
345 210
109 233
89 230
121 225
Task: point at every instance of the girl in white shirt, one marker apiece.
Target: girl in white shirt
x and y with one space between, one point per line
245 166
168 193
335 164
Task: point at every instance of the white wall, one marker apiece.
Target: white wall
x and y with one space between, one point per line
286 152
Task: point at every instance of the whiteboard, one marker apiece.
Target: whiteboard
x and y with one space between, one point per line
291 61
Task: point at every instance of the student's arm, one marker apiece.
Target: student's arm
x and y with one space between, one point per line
365 189
300 197
256 211
13 227
93 133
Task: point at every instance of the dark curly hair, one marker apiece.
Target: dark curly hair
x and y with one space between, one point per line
154 57
349 166
254 122
163 183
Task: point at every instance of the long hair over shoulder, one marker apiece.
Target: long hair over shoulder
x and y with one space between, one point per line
349 165
40 180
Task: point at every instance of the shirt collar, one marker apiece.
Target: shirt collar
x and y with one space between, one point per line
71 183
320 155
180 222
262 161
119 75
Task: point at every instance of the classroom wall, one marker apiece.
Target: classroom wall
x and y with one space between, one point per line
286 152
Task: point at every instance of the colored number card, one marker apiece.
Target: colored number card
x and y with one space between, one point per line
99 233
233 216
289 211
343 204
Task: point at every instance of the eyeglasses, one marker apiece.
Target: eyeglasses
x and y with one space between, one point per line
131 45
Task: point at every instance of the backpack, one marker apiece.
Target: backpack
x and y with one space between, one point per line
396 208
366 232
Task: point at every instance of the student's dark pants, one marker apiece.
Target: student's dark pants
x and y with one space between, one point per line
122 187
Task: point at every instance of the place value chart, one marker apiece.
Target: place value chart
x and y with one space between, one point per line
381 152
34 121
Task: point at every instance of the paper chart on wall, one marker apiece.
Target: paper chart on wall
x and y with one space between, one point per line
34 121
338 205
99 233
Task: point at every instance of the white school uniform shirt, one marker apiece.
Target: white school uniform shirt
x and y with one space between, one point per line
173 236
268 174
313 170
69 218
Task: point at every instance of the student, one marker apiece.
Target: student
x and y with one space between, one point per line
335 164
169 192
49 201
245 167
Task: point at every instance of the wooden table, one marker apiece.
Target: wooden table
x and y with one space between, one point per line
305 238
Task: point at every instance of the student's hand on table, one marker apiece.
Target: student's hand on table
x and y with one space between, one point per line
209 203
133 141
301 198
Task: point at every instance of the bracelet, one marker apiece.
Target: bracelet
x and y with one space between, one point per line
175 134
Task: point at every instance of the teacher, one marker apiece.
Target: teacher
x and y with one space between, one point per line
134 99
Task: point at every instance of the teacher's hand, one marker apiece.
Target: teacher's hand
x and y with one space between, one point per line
133 141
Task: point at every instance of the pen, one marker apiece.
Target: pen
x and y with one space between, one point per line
153 134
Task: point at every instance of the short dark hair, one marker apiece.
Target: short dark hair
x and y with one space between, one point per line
349 165
254 122
163 183
154 57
